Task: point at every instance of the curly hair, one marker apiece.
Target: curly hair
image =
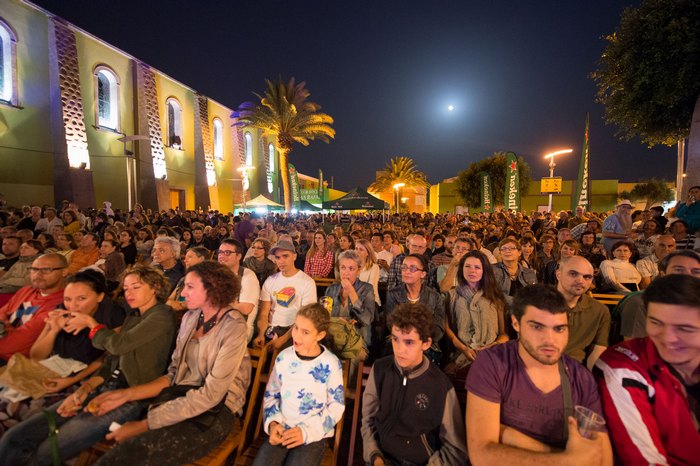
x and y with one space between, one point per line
222 285
409 316
151 277
317 314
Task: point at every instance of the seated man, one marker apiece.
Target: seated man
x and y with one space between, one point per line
522 393
410 412
166 257
86 254
649 386
22 318
10 253
648 267
633 313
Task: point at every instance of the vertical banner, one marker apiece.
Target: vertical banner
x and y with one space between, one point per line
512 191
320 185
581 195
294 187
486 198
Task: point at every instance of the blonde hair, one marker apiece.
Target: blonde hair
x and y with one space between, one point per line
371 257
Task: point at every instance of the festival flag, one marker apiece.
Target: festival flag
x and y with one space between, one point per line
512 192
320 184
294 187
486 198
581 195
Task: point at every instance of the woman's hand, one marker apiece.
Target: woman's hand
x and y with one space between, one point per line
78 321
469 353
292 438
56 384
56 320
74 402
128 430
108 401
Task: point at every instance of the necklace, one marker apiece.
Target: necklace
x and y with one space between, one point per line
209 324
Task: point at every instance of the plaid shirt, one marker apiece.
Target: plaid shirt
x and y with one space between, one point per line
395 273
320 265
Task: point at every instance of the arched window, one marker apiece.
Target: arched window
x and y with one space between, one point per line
8 61
107 98
248 159
218 139
271 158
174 123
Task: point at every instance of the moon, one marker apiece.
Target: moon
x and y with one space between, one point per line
450 107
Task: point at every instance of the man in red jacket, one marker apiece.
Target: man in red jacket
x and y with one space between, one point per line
650 386
23 316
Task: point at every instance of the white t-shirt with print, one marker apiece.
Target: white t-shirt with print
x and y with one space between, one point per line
287 295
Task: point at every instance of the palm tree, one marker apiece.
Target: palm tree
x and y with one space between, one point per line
285 114
399 170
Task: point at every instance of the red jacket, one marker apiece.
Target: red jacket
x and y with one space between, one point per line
21 336
645 406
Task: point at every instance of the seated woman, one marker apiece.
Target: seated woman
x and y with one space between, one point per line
369 271
205 385
138 354
18 275
569 248
304 397
258 261
144 245
193 256
127 246
319 259
476 311
111 262
66 245
620 275
510 275
353 299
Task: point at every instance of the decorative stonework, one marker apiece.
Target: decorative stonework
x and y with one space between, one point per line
206 139
147 78
71 99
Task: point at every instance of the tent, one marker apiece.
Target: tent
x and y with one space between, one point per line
261 201
306 206
357 199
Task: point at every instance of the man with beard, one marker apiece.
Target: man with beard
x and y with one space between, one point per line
618 226
589 320
521 393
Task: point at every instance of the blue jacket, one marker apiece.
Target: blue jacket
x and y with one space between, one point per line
690 215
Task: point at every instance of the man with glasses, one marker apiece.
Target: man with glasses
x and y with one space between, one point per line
22 318
416 245
231 254
589 320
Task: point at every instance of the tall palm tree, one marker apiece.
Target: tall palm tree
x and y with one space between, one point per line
399 170
284 113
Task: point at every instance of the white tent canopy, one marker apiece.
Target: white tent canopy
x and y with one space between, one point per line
260 201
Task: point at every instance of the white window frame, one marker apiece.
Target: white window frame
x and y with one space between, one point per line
8 91
177 124
248 139
112 121
218 138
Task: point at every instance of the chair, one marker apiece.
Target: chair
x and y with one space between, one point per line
322 284
607 299
355 394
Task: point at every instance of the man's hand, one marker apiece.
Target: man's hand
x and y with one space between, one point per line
108 401
583 450
292 438
128 430
74 402
378 461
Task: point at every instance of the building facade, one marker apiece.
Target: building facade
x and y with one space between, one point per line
84 121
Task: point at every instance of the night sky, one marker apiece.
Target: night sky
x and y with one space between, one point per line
517 73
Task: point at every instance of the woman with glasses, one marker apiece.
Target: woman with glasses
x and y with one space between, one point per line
258 261
413 289
510 275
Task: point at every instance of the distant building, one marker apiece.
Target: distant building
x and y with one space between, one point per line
66 97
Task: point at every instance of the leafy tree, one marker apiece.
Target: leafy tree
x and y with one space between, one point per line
469 183
399 170
651 191
648 77
284 113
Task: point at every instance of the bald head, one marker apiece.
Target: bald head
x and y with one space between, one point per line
47 272
575 276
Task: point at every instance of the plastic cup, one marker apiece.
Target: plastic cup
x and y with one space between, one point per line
589 422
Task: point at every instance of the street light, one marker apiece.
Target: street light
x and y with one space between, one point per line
245 183
551 168
396 188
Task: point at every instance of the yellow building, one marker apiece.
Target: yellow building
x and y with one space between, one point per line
84 121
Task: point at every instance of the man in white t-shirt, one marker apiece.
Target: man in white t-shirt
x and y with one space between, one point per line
384 257
283 294
230 254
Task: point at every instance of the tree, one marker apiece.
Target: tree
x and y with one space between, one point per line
469 183
648 77
651 191
399 170
285 114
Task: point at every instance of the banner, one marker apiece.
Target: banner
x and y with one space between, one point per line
486 198
294 187
320 184
511 199
581 195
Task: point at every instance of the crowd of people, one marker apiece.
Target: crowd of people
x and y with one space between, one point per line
483 332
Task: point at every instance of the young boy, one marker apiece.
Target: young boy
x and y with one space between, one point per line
410 412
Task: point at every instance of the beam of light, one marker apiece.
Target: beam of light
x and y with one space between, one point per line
559 152
450 107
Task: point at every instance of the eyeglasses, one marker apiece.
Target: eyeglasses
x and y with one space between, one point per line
227 252
506 249
44 270
410 268
418 246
